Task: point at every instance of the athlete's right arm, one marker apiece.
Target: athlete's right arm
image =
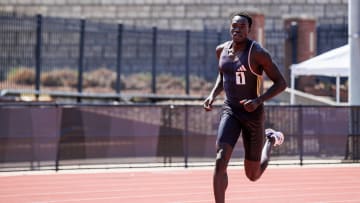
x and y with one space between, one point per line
218 87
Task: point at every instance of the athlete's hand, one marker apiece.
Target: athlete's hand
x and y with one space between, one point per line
250 104
208 103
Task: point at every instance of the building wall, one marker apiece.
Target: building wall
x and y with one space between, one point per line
180 14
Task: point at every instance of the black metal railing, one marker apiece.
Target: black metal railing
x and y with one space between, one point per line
41 46
78 55
331 36
35 137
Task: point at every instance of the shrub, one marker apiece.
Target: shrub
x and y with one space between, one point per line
51 79
138 81
122 83
167 81
22 75
101 77
60 77
198 83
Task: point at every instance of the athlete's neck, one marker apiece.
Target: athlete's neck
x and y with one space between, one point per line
239 46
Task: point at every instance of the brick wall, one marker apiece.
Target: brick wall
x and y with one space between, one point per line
305 46
180 14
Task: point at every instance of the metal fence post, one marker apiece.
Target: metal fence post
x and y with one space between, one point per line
353 142
294 40
205 56
119 58
300 136
219 37
81 58
186 136
153 70
187 63
38 54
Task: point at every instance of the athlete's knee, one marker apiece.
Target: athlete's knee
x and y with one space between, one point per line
220 162
252 176
222 158
252 170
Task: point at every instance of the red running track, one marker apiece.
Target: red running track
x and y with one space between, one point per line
278 185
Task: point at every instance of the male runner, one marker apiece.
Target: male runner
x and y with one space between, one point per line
241 64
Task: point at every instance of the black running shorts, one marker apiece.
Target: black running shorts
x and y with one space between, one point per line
252 130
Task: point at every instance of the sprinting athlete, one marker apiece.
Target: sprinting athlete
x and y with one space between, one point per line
241 64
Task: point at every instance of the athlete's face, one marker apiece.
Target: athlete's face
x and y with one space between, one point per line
239 29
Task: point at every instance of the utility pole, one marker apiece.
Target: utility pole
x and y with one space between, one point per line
354 43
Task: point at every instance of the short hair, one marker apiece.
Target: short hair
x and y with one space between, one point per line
242 14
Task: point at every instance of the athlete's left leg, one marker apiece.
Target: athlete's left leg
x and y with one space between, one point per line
257 157
257 153
254 168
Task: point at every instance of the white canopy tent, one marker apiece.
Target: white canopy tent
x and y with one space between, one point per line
334 63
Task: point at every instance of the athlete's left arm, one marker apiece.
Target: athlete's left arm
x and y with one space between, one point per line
262 58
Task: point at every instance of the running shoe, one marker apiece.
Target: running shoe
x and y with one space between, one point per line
276 135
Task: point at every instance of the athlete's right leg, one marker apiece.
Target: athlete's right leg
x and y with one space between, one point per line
220 177
228 133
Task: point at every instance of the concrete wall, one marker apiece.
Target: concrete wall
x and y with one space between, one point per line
180 14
